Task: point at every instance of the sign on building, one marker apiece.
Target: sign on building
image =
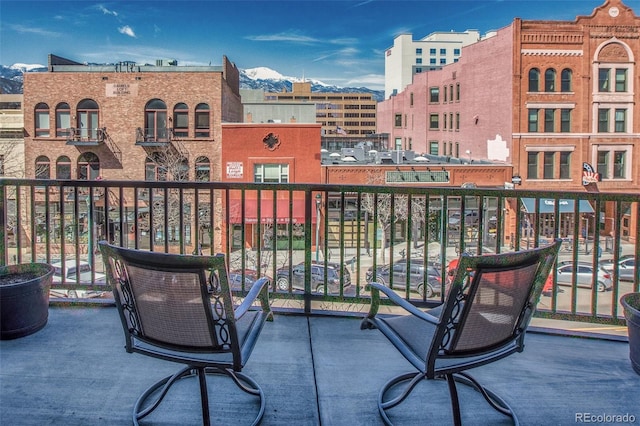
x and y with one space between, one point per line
234 170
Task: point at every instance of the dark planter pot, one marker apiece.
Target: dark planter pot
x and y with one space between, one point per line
631 304
24 299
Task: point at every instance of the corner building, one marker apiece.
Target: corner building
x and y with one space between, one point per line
552 98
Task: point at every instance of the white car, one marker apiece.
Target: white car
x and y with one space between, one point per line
584 275
70 274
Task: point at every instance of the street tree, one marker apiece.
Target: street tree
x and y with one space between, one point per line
388 209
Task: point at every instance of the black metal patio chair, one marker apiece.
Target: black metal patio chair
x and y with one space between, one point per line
179 308
483 319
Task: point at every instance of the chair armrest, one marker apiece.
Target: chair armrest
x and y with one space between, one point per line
376 288
259 290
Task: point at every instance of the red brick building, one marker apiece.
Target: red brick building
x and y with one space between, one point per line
269 153
552 98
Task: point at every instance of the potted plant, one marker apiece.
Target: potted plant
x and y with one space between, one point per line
631 304
24 298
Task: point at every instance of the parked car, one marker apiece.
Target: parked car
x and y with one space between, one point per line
626 267
70 273
235 279
470 219
584 275
317 277
416 271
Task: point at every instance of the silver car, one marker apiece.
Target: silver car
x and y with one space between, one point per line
626 267
584 275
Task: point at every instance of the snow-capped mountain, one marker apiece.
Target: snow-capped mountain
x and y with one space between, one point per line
264 73
11 77
272 81
253 78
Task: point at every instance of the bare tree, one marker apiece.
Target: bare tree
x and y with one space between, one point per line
167 205
389 209
12 158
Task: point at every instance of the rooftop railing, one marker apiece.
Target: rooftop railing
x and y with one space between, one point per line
321 244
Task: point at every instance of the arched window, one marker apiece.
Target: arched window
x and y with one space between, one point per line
88 122
42 125
534 80
202 121
155 121
63 167
566 84
88 166
203 169
155 168
181 120
43 167
63 120
550 80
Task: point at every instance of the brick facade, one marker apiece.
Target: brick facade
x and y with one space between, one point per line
122 112
245 149
548 132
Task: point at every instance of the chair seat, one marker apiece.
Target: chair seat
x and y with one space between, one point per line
402 329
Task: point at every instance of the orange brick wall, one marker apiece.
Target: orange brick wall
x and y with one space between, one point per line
299 147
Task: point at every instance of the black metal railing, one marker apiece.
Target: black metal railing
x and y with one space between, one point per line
85 137
321 243
161 137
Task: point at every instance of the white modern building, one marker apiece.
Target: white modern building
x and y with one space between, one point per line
408 57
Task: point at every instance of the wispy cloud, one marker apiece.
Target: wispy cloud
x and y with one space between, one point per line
106 11
370 80
350 41
139 53
347 52
127 30
292 37
402 30
363 3
33 30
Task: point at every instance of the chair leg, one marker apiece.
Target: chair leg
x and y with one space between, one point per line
244 383
413 378
204 396
455 402
495 401
165 383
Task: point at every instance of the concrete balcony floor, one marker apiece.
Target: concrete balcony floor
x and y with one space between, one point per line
315 370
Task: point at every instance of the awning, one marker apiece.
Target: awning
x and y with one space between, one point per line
547 205
282 213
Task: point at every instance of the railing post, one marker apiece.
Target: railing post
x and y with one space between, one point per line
3 226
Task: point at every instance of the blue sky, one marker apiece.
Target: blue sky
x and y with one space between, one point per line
338 42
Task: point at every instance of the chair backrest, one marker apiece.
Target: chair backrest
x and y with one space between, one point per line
491 301
178 302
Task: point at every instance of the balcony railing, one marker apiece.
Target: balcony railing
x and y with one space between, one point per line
86 137
299 234
160 138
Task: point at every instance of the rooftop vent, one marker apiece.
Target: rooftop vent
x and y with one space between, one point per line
166 62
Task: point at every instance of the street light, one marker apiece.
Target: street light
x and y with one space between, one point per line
318 204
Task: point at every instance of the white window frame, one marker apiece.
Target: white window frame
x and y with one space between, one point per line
612 149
